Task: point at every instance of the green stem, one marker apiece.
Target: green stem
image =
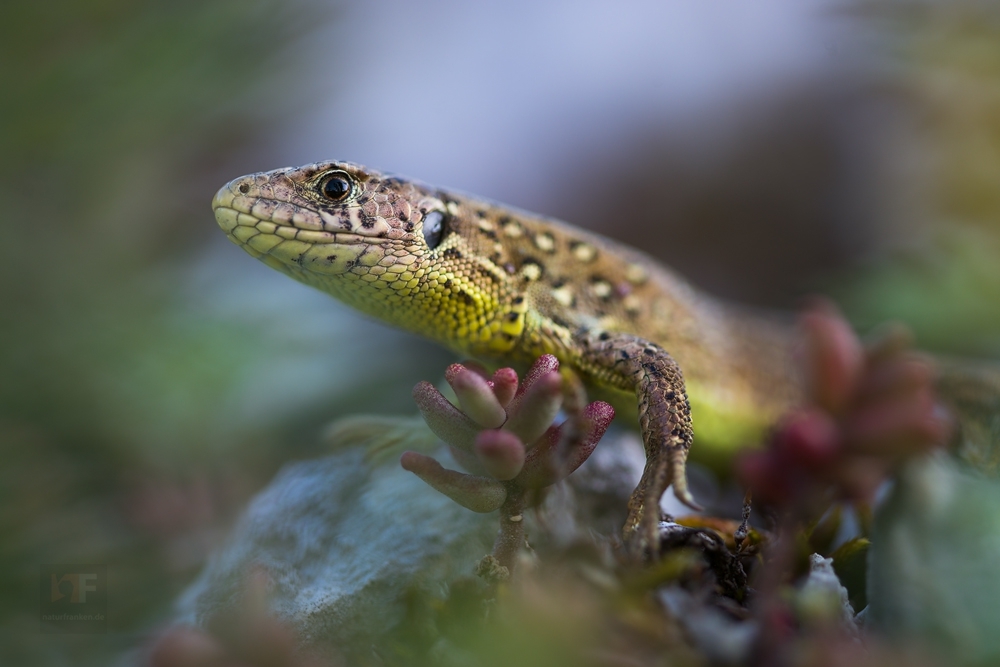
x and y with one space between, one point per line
510 537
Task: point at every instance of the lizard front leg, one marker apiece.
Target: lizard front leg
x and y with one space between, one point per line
647 369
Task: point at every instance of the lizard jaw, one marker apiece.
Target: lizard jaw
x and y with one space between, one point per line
290 237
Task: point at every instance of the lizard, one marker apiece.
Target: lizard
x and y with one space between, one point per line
505 286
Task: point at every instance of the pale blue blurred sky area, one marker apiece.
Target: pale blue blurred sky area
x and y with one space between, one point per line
495 97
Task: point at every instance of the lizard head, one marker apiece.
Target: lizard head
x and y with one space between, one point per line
393 248
293 215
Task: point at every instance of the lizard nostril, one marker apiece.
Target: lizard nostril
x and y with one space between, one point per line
244 188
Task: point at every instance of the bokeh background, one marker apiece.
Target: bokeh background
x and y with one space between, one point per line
153 377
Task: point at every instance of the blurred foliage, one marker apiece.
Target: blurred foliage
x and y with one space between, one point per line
113 115
932 566
946 72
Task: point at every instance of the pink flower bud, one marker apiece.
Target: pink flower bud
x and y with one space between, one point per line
835 359
543 365
808 438
533 410
444 419
552 459
479 494
475 396
504 385
501 453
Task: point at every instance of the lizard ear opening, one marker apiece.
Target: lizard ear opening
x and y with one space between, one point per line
433 228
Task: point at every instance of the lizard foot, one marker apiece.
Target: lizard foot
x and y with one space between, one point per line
641 531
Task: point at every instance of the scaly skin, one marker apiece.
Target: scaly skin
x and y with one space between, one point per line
506 286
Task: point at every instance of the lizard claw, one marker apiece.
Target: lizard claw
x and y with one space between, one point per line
641 532
681 491
683 495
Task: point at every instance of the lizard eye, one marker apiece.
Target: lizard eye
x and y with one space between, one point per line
433 228
336 187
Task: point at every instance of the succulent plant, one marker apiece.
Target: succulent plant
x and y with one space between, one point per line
868 409
502 433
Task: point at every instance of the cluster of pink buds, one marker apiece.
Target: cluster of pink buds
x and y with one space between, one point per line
503 435
868 410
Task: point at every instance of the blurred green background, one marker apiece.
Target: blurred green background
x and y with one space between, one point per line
152 378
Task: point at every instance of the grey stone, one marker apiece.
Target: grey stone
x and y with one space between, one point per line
341 539
345 540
